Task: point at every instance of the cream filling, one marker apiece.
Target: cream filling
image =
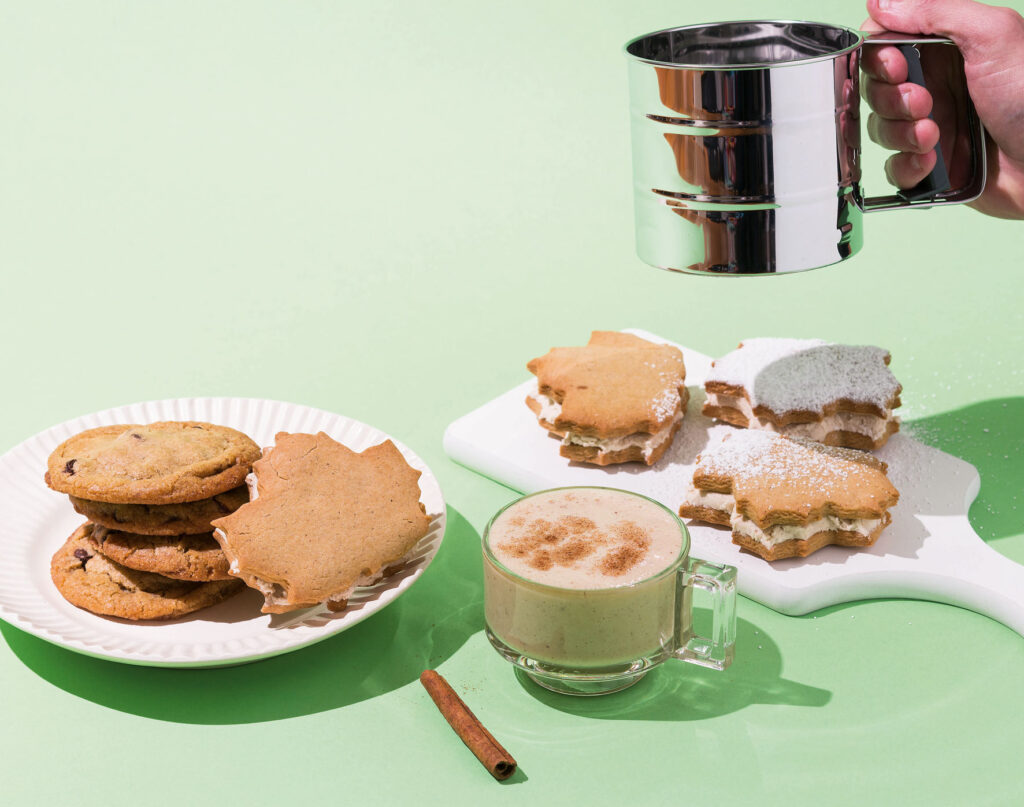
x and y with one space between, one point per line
550 409
778 533
869 425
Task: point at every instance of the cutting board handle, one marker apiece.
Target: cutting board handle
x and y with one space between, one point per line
982 580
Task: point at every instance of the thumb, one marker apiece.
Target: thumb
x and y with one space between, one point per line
974 27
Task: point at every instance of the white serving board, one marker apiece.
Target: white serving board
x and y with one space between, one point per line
929 552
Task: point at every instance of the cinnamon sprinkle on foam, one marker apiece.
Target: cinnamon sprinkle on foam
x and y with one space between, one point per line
569 539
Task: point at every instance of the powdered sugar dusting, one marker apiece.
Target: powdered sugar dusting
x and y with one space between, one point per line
783 461
787 375
667 402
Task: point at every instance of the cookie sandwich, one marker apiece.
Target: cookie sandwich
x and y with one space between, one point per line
787 497
322 520
617 399
841 395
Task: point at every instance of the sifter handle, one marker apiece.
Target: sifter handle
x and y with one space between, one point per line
938 180
969 162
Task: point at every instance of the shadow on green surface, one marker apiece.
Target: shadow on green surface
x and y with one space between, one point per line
423 628
990 436
677 691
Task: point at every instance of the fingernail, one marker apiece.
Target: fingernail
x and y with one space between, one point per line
905 101
915 162
886 5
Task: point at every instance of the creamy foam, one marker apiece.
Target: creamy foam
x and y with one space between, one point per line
585 538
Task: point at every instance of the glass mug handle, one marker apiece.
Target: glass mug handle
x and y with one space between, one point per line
719 581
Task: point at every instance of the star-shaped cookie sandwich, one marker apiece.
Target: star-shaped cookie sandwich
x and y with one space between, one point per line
788 497
618 399
842 395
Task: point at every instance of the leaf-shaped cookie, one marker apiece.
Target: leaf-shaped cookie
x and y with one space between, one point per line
323 520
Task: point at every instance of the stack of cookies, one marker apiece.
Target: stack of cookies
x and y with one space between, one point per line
149 493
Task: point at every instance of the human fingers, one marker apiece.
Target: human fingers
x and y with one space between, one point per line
906 170
885 63
897 102
910 136
975 27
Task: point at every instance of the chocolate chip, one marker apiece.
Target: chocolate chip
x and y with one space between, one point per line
82 555
69 467
136 435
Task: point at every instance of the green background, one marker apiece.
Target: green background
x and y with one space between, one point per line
384 209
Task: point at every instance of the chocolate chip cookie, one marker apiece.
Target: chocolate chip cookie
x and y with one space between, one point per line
160 463
198 558
89 580
187 518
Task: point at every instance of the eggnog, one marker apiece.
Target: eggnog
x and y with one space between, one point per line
584 578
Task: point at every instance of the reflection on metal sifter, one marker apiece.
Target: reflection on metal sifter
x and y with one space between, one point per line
746 144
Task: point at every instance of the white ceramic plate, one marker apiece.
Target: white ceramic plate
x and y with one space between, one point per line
37 520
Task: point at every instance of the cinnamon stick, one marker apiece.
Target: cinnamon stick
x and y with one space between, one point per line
479 740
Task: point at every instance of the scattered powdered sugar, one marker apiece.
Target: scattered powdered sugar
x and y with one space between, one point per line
788 375
768 457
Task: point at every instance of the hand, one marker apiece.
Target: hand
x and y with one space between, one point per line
992 42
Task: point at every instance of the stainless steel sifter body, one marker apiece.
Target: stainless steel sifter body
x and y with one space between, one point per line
746 145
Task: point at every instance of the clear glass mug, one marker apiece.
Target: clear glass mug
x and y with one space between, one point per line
599 639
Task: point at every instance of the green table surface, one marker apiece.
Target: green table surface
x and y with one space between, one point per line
384 209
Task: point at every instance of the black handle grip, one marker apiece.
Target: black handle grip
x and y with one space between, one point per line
938 180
